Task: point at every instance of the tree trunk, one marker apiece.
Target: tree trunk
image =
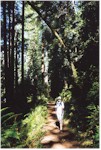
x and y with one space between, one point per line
9 12
16 64
22 80
12 53
46 67
74 72
5 51
43 66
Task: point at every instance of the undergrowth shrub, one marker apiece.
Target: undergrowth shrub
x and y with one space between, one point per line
32 126
83 113
93 117
9 128
42 99
93 93
24 133
93 125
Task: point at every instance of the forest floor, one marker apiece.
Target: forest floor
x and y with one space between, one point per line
53 137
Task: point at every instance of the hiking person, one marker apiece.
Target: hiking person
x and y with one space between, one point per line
60 111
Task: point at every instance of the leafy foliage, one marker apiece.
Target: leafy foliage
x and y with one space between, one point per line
66 95
93 124
94 93
9 128
32 126
26 132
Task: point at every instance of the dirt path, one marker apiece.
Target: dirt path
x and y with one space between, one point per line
53 137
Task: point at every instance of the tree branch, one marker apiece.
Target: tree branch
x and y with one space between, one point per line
53 30
55 34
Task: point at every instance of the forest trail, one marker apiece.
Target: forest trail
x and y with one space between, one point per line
53 137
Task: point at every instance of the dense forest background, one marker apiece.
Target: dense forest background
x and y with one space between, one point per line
49 49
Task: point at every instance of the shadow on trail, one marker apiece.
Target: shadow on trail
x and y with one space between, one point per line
53 137
57 124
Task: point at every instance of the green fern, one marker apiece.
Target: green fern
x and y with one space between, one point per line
21 134
13 116
9 134
3 109
6 115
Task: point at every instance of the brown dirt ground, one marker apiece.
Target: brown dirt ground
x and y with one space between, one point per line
53 137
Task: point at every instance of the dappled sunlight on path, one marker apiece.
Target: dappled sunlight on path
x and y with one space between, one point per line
53 137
